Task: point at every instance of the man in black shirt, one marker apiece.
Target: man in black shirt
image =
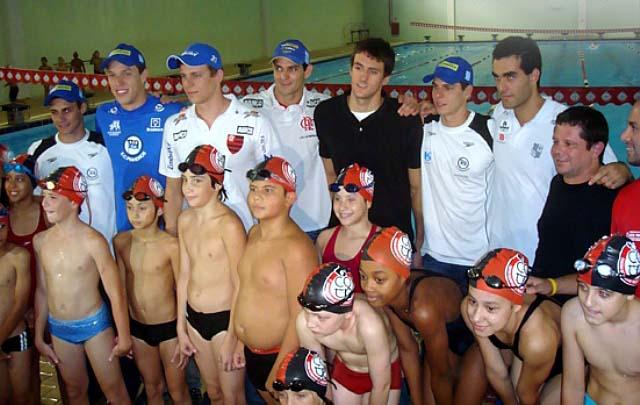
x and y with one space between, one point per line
575 213
363 127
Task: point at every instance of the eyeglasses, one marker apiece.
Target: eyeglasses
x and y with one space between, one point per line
349 187
322 307
295 386
475 273
603 269
139 196
52 186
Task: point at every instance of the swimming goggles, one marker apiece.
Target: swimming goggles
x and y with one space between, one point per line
475 273
322 307
139 196
349 187
260 174
603 269
18 168
53 186
295 386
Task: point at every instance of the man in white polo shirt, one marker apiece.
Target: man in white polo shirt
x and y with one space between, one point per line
524 123
457 174
243 136
290 106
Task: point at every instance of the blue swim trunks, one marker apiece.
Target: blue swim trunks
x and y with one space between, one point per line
80 330
588 400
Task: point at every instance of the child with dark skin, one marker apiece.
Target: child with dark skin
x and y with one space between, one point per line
16 343
424 305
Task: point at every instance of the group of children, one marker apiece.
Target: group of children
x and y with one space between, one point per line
263 303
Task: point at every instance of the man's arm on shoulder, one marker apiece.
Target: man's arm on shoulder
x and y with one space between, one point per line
168 166
173 204
378 348
573 368
539 353
567 285
20 260
98 248
429 321
329 171
613 174
415 184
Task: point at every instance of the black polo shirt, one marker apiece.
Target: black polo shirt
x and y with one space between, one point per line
384 142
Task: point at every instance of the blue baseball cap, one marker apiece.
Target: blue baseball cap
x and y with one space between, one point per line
293 50
126 54
452 70
196 55
66 90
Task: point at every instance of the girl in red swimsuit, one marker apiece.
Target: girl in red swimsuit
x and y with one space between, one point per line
352 198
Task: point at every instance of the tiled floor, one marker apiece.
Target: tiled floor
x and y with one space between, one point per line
49 390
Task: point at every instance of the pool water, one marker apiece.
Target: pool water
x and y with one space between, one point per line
607 63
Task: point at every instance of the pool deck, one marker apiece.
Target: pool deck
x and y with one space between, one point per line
38 112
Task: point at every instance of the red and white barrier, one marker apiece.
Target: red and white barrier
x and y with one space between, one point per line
170 85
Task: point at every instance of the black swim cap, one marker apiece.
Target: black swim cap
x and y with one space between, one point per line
329 287
303 369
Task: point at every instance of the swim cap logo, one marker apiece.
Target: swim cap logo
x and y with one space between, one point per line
366 179
217 160
629 264
515 273
315 368
338 286
156 187
79 183
401 248
288 172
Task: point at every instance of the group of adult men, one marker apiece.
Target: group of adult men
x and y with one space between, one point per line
535 177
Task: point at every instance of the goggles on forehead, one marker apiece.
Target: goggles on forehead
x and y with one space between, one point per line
295 386
475 273
322 307
603 269
18 168
349 187
259 174
139 196
53 186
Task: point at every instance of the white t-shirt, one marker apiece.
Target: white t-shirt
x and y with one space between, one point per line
524 169
243 136
457 179
296 132
91 157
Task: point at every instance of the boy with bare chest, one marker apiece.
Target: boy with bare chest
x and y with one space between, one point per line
212 240
278 257
72 259
366 366
148 262
600 327
15 341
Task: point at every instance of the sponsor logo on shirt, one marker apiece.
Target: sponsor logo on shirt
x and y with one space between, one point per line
307 124
427 156
92 173
155 125
312 102
92 155
244 130
504 126
468 144
536 150
169 150
179 118
113 110
114 128
51 160
179 135
251 114
462 164
501 137
159 108
234 143
132 149
254 102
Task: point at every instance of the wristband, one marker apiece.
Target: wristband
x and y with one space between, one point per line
554 286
